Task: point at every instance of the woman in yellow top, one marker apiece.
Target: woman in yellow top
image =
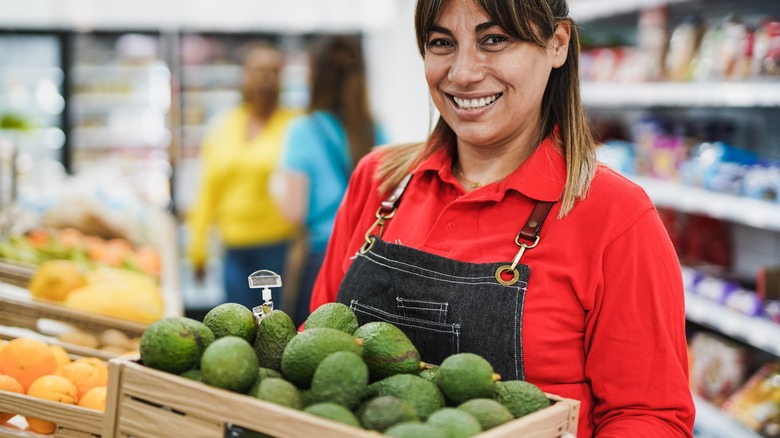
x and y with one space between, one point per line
238 155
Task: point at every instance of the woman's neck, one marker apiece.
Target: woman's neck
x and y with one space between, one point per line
477 166
258 118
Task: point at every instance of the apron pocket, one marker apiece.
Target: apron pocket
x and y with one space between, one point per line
438 340
425 310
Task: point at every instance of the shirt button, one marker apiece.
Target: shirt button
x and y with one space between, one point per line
450 225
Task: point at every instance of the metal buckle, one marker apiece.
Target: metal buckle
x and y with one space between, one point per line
380 222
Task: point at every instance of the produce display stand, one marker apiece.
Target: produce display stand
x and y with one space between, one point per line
147 403
19 310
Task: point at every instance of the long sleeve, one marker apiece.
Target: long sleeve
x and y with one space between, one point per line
636 356
201 213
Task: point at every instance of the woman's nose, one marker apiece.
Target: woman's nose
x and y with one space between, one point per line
466 67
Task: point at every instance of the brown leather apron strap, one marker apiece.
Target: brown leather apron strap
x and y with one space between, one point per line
391 202
534 224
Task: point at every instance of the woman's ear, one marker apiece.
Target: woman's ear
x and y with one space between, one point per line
560 43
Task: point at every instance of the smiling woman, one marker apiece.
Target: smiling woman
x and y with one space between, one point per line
502 236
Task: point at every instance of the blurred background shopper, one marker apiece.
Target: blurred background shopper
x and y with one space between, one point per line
321 149
239 154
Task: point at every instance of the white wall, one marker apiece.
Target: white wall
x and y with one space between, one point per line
398 89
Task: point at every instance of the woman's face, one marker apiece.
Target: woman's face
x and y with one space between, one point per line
262 67
487 85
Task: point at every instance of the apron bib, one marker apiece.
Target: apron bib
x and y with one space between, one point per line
444 306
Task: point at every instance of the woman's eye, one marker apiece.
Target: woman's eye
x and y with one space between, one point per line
440 45
494 42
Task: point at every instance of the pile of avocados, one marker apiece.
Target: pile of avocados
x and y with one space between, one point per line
368 376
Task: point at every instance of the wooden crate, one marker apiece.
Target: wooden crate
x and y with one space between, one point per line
143 402
72 421
18 309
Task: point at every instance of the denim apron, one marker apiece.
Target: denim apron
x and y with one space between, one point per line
444 306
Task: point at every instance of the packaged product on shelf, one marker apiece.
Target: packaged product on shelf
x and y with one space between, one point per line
762 181
707 242
766 52
718 366
683 47
757 403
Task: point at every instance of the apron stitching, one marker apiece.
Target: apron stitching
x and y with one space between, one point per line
453 328
417 267
519 371
440 279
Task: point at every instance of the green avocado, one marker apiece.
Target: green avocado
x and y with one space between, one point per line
488 412
335 412
387 350
422 394
174 344
273 334
340 378
465 376
521 397
229 363
278 391
307 349
381 413
333 315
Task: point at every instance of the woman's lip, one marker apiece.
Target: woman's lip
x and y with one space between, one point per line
476 102
472 113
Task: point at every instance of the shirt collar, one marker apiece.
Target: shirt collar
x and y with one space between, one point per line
541 177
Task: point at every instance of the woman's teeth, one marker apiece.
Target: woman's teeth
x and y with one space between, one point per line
475 103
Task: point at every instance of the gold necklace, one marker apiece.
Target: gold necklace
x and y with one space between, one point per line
473 184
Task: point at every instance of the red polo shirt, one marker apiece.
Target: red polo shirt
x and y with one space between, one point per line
604 317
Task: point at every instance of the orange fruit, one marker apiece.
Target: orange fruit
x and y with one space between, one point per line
60 354
8 383
95 398
2 344
54 388
54 279
99 364
84 375
26 359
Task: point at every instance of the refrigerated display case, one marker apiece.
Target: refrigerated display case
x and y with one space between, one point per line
120 109
32 138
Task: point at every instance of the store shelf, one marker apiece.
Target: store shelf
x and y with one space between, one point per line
758 332
212 96
711 422
682 94
198 74
752 212
120 70
583 10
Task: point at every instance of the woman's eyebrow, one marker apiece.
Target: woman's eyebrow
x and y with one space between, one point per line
439 29
485 26
479 28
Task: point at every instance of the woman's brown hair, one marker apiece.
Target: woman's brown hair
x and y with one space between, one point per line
532 21
338 85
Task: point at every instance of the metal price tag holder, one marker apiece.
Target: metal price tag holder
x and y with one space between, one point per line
264 279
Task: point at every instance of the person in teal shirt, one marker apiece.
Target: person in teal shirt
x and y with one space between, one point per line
321 148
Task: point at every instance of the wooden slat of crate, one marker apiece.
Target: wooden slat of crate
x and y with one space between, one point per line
561 417
72 421
22 311
143 402
16 273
